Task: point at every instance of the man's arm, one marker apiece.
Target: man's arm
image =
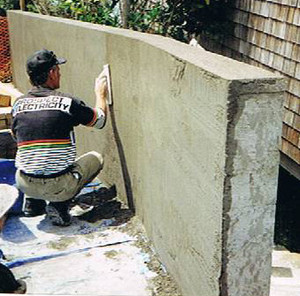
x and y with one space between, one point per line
96 116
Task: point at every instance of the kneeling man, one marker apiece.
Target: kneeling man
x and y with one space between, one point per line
43 122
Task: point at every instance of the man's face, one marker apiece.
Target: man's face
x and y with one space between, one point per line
55 77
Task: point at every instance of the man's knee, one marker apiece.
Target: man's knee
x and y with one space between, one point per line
90 163
98 156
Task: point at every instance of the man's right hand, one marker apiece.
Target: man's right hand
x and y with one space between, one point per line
101 86
101 91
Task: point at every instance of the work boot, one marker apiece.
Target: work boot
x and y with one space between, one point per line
58 213
96 197
34 207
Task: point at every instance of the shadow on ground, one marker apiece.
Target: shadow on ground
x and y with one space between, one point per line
16 231
102 204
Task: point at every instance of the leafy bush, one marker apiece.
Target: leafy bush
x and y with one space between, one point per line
146 18
93 11
182 18
8 4
179 19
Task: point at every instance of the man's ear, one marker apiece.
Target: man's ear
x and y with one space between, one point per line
51 72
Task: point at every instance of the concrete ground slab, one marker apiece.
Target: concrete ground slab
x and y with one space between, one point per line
98 258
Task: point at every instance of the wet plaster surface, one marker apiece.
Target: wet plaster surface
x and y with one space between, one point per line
285 279
107 257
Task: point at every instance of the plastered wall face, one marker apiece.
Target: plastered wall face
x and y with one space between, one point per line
165 141
174 145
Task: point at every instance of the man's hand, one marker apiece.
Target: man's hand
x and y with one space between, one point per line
101 85
101 92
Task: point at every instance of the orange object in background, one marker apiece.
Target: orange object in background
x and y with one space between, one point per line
5 61
5 100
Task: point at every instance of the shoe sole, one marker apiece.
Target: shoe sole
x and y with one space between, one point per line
33 214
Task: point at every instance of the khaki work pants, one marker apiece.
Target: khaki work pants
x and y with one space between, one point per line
66 186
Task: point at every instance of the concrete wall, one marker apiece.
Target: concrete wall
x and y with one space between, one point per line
191 142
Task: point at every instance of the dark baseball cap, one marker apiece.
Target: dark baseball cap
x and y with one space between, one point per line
42 61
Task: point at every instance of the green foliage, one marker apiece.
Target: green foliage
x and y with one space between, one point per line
184 18
179 19
146 19
93 11
6 4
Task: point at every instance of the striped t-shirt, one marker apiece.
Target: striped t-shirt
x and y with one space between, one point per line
43 122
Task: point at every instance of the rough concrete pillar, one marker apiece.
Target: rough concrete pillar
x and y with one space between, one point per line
253 133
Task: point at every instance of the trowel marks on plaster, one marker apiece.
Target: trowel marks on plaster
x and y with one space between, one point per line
176 76
179 69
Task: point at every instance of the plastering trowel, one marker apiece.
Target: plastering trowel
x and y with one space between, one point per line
107 73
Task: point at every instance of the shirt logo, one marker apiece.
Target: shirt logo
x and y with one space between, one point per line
42 103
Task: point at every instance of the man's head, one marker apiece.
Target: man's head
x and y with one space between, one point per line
42 68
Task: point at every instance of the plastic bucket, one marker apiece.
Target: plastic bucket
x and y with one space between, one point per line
7 176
